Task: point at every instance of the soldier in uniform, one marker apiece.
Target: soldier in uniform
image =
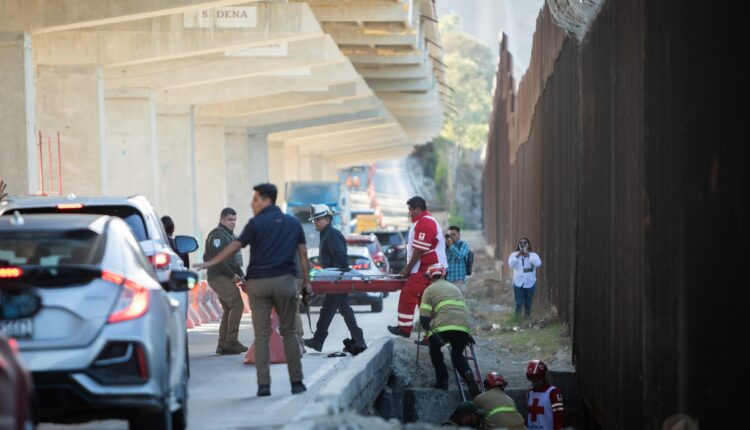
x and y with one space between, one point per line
445 318
223 279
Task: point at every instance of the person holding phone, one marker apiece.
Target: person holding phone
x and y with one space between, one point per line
524 263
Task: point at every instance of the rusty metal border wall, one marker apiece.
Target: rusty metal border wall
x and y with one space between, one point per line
619 159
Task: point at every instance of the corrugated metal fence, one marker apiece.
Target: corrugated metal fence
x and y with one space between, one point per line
617 158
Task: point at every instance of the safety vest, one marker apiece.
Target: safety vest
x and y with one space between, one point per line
444 304
500 410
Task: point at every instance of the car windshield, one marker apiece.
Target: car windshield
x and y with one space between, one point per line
51 248
317 193
356 262
389 239
371 246
129 214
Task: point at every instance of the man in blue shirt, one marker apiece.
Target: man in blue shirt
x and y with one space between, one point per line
457 251
273 238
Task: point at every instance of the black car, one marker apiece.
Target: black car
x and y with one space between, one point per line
393 243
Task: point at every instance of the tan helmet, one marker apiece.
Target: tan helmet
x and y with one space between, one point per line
319 211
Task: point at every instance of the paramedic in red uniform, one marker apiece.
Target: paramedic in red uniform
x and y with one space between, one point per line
544 401
426 247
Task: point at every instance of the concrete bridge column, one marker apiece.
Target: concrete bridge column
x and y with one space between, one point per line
259 159
277 168
239 188
210 159
176 177
18 159
70 99
131 157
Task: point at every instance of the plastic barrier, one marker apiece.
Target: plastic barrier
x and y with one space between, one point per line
276 344
193 308
205 318
205 300
214 299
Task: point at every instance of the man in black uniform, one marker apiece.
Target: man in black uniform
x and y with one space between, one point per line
223 279
333 255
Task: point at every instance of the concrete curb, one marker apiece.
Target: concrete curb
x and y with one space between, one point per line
355 387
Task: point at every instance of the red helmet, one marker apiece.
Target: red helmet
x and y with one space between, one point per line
495 379
536 370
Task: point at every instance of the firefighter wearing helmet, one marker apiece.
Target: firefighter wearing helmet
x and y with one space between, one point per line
333 255
544 402
499 409
445 318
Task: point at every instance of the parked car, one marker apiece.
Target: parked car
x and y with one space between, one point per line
394 246
17 303
136 211
361 261
109 340
370 241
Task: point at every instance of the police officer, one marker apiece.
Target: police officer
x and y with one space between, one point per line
333 255
223 279
444 316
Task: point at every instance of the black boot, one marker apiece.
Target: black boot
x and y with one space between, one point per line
314 344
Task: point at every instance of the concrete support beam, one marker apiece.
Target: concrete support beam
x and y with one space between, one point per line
131 149
354 107
408 71
211 181
282 101
323 130
371 156
304 79
323 120
357 137
17 115
165 38
275 58
350 33
176 177
421 84
370 55
41 16
71 101
370 11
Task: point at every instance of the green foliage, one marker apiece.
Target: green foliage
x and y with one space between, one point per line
470 74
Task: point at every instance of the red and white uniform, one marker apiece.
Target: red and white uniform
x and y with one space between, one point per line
545 408
425 235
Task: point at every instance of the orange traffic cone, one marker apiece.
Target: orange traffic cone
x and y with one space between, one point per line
193 311
207 305
276 344
245 300
205 318
216 304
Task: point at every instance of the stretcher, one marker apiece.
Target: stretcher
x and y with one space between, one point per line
339 283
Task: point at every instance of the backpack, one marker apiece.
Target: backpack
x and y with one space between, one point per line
469 262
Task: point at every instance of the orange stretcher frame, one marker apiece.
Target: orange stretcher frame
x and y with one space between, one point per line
341 286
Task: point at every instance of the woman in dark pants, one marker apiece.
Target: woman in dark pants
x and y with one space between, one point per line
524 263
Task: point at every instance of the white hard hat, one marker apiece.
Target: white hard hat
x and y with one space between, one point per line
319 211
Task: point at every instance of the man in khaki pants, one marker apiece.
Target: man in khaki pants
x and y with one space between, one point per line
274 238
223 279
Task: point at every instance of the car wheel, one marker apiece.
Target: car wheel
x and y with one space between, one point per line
377 306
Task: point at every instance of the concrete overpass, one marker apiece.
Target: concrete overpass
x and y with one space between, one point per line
191 102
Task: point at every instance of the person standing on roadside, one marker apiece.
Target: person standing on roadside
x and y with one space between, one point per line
426 247
524 263
273 238
168 224
333 255
457 251
223 279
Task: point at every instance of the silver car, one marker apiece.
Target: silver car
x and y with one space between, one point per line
109 341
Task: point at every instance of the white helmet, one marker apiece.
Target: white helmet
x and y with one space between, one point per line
319 211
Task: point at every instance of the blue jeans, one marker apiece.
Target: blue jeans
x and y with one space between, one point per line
523 299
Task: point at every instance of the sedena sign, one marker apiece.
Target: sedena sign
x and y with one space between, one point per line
223 17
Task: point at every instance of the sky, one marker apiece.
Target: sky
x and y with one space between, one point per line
485 19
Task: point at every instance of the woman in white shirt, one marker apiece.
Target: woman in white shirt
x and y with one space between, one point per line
524 263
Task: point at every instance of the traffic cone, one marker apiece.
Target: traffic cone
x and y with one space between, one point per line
193 310
207 305
245 301
216 304
276 344
205 318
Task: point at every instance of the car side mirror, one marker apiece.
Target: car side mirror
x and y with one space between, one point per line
15 304
181 281
185 244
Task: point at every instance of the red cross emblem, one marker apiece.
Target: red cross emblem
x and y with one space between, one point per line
535 410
